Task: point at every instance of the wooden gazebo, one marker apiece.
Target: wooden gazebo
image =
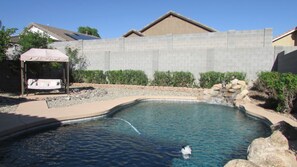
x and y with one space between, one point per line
44 55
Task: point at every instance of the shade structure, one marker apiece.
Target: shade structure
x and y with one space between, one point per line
47 55
43 55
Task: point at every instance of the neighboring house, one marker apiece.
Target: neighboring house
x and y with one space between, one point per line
57 34
287 39
170 23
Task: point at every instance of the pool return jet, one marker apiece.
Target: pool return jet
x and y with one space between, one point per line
186 150
128 124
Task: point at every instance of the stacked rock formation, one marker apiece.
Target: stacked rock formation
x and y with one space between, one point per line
236 90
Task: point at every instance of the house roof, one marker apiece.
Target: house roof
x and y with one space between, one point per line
133 32
61 34
171 13
285 34
14 39
48 55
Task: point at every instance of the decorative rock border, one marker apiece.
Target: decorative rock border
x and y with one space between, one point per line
270 151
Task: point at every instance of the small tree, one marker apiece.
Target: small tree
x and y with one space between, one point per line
89 31
5 35
76 62
30 40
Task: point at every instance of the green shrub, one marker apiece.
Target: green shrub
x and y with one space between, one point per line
183 79
281 87
162 78
176 79
99 77
208 79
90 76
266 82
229 76
114 77
77 76
128 77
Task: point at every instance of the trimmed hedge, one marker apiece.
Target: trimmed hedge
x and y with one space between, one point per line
162 78
183 79
90 76
229 76
280 87
128 77
208 79
175 79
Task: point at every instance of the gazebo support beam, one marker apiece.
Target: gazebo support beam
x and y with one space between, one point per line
66 80
22 78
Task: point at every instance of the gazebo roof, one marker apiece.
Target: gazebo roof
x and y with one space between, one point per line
47 55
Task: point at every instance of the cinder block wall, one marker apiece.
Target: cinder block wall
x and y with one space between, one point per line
286 59
245 51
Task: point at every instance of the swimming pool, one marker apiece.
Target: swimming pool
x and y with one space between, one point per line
149 133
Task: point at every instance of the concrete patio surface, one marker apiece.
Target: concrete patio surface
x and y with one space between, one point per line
36 113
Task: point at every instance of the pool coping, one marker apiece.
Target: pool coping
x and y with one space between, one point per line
35 115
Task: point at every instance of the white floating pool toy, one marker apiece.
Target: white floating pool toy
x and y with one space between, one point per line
186 151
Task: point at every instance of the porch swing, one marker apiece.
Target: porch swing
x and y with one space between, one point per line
44 55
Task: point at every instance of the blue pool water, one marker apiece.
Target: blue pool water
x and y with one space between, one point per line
146 134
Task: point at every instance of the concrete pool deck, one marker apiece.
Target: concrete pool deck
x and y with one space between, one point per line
32 114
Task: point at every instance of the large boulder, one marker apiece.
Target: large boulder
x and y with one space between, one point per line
236 87
240 163
242 83
242 94
234 82
217 87
272 151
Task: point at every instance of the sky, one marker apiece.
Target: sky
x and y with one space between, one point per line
114 18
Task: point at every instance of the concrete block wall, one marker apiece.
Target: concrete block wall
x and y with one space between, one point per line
245 51
229 39
286 59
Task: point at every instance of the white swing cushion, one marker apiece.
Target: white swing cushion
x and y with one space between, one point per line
44 84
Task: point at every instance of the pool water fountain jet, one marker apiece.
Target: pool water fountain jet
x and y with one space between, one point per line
128 124
186 150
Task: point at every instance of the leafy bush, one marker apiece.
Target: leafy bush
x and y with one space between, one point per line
94 76
176 79
229 76
162 78
281 87
208 79
182 79
129 77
